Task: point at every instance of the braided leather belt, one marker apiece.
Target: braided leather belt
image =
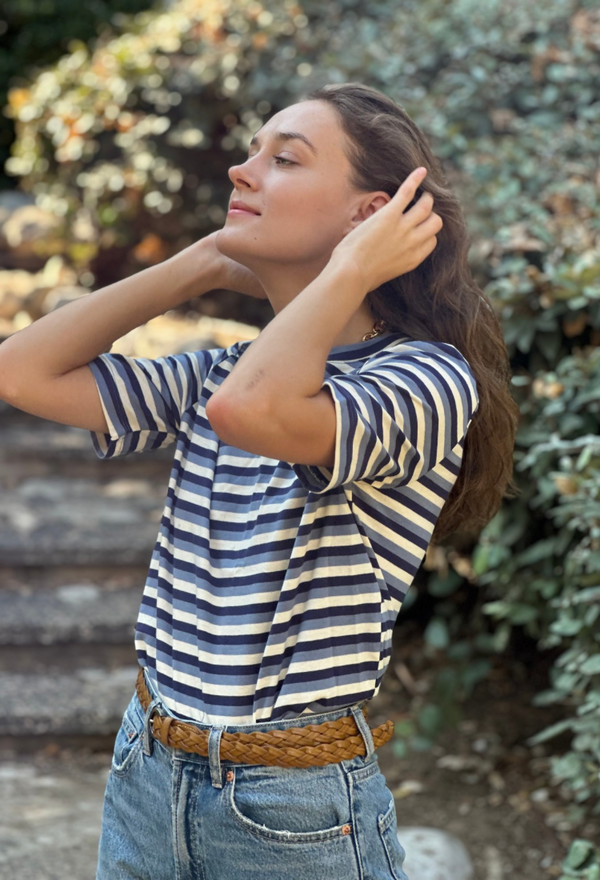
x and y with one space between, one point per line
313 745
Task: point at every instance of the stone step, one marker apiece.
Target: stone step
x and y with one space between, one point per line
56 520
72 613
30 579
88 701
63 659
24 437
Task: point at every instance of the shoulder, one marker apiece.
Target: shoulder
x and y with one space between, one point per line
409 353
429 365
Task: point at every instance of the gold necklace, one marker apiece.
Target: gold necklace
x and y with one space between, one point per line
378 327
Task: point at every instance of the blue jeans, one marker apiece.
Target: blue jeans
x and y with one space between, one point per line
175 815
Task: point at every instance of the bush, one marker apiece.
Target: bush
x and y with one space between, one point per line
130 144
38 34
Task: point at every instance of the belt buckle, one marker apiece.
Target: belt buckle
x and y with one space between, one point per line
148 730
161 731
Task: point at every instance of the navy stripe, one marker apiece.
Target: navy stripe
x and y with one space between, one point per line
274 587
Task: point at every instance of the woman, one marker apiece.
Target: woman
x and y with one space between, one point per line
311 469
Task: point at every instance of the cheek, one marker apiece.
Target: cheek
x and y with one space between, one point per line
300 228
310 214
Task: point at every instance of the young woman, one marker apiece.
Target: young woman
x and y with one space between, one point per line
312 467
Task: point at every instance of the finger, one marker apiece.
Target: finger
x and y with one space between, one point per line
420 211
430 226
428 248
423 251
406 191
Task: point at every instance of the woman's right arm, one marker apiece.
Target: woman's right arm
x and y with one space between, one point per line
43 368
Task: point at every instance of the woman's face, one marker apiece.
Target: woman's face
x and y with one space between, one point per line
303 195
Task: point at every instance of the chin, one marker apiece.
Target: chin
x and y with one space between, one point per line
232 244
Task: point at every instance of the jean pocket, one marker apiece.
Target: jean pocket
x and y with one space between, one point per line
128 741
387 823
291 806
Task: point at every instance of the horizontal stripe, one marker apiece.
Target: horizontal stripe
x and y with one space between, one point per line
274 587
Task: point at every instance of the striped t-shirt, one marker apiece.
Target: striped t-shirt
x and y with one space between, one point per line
274 587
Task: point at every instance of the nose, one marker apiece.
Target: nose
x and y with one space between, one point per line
239 175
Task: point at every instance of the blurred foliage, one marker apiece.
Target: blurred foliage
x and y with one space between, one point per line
34 33
130 143
582 862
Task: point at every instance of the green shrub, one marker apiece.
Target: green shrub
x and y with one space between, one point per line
36 33
132 141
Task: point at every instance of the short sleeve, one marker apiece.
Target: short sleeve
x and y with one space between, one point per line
144 399
396 418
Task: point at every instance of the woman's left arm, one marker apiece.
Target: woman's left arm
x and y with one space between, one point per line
275 404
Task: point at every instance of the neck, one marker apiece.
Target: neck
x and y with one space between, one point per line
283 283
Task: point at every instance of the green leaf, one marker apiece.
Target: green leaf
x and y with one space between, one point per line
502 637
498 609
431 719
436 633
579 851
399 748
479 558
444 586
591 666
476 671
538 551
565 626
550 732
521 613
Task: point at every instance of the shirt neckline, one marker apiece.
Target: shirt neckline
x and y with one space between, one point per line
369 347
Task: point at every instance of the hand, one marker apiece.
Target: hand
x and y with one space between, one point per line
390 242
231 275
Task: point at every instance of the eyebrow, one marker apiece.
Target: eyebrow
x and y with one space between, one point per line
287 136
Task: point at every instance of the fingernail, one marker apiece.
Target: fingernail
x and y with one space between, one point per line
421 171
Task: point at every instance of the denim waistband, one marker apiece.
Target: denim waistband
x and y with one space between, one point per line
282 724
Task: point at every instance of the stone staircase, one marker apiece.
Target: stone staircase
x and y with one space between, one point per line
76 538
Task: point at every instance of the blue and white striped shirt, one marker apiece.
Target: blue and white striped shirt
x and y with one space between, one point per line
274 587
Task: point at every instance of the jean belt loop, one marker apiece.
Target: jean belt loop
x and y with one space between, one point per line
365 730
214 758
146 735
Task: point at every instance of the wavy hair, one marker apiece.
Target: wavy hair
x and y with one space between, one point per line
439 300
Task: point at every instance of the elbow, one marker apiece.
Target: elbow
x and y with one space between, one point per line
232 420
8 390
217 413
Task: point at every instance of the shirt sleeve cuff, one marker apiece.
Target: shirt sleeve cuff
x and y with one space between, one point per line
107 445
317 478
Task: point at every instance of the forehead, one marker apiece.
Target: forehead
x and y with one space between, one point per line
315 119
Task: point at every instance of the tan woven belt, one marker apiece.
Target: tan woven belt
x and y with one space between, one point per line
313 745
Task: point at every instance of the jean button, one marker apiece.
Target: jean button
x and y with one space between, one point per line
229 776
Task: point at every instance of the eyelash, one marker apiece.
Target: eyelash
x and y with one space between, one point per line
283 159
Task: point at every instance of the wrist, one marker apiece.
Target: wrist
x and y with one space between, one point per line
193 271
346 270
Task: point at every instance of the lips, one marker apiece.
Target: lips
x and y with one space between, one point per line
237 205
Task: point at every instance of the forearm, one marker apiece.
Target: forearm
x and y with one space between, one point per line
76 333
285 364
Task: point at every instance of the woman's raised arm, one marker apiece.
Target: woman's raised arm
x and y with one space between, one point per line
43 368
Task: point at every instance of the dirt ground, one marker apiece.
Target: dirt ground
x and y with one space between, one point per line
481 781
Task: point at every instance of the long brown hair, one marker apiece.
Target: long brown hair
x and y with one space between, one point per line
439 300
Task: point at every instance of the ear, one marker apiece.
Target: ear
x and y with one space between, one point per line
370 203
